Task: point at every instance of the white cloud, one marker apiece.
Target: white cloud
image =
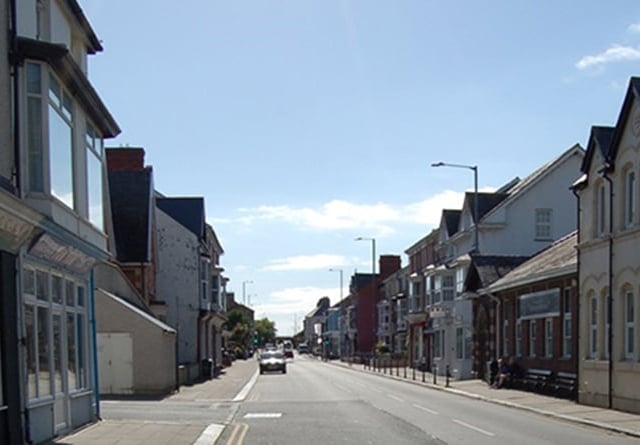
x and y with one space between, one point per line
334 215
617 53
307 262
378 219
634 28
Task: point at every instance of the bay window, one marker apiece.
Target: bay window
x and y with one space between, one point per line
57 164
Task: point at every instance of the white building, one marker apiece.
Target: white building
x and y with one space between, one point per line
521 218
609 272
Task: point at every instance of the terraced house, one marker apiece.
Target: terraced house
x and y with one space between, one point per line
52 218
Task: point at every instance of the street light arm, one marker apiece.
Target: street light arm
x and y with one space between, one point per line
446 164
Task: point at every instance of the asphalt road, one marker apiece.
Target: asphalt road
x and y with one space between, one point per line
319 403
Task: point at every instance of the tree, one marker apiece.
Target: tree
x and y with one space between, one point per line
239 326
265 331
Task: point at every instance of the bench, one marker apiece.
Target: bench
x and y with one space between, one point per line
565 384
537 380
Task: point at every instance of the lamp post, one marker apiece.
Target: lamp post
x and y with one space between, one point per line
474 168
373 252
338 270
244 290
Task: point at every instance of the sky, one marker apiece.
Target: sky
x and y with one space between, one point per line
308 123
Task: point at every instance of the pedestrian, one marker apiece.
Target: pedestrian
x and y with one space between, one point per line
493 371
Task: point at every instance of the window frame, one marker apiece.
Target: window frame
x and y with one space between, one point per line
533 332
629 325
630 193
601 212
593 328
548 337
543 223
567 326
72 346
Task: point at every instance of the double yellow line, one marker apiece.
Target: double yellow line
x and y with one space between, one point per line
238 434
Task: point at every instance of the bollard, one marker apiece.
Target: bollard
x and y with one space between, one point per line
447 375
435 374
404 367
423 371
413 369
397 368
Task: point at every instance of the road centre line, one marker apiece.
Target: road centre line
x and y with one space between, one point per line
391 396
475 428
424 408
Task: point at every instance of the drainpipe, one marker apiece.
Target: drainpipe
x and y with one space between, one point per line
16 95
94 340
576 352
610 299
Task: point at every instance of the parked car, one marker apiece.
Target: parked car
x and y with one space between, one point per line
273 361
288 350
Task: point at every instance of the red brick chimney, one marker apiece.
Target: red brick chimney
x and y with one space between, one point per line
389 264
125 159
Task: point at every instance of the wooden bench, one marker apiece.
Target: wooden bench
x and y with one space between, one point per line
537 380
565 384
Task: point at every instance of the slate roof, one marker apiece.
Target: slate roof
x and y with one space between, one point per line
452 220
599 139
633 92
558 259
142 314
486 269
131 193
486 202
187 211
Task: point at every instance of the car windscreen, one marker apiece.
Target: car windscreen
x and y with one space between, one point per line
268 355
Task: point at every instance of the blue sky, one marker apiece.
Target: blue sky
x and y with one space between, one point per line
306 124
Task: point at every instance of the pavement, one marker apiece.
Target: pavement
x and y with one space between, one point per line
236 381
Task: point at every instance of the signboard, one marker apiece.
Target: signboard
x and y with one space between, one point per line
540 304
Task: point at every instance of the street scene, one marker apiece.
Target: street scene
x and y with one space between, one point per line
336 221
334 402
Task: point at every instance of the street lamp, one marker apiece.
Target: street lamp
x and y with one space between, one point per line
244 290
373 252
338 270
476 247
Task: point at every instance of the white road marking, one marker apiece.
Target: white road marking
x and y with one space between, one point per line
342 388
391 396
424 408
474 428
209 435
245 390
262 415
375 390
